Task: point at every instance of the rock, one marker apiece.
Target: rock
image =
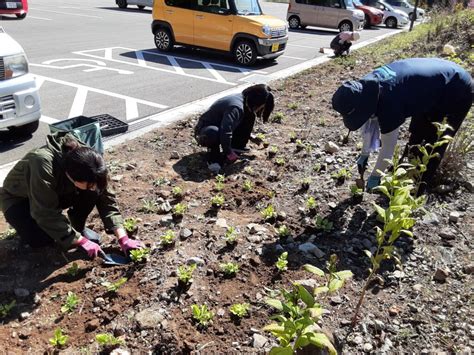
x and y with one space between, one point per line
331 147
447 234
130 166
367 347
195 260
454 216
332 205
99 301
220 312
166 221
174 155
92 325
254 239
221 222
21 292
393 311
307 247
308 284
318 253
259 341
149 318
366 243
329 160
469 186
256 228
398 274
119 352
185 233
37 299
336 300
165 207
469 269
441 275
417 287
272 176
449 50
24 315
357 340
431 218
117 178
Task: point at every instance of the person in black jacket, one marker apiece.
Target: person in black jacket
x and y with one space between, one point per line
229 122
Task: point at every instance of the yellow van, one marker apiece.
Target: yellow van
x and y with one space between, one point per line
238 27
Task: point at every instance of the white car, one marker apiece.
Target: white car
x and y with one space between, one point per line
406 7
140 3
19 100
391 18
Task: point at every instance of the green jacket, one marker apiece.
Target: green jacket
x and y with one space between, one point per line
40 178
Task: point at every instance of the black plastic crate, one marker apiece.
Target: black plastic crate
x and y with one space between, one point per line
110 125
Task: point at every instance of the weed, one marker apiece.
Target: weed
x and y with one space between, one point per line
293 106
356 191
283 231
71 303
239 310
148 206
273 151
130 224
311 203
177 192
73 270
179 209
341 175
140 255
59 339
114 286
300 145
260 138
317 167
280 161
305 183
6 308
185 273
202 315
217 200
292 137
249 170
282 262
229 269
323 224
278 117
108 340
168 238
269 213
247 186
230 235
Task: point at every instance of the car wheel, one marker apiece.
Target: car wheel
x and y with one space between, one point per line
345 26
163 40
391 22
25 130
367 23
140 7
21 16
294 22
410 16
245 53
122 4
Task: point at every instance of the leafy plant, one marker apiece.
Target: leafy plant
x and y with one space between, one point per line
148 206
311 203
108 340
239 310
130 224
282 262
322 122
305 183
273 151
334 279
230 235
293 106
280 161
300 145
269 212
323 224
160 181
219 185
317 167
260 137
229 269
202 314
248 185
73 270
140 255
278 117
217 200
177 192
249 170
356 191
6 308
114 286
168 238
71 303
179 209
185 273
292 137
283 231
59 339
341 175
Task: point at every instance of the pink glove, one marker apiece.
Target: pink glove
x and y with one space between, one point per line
126 244
231 157
90 247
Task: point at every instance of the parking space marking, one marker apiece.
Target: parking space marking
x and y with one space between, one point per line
48 120
211 67
77 108
64 13
300 45
290 57
40 18
98 65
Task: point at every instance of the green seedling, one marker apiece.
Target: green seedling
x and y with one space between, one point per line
177 192
179 209
59 339
240 310
266 144
280 161
202 315
8 234
114 286
220 180
282 262
335 280
185 273
356 191
160 181
229 269
6 308
230 235
269 213
248 185
305 183
140 255
217 200
292 137
168 238
249 170
107 340
300 145
130 224
278 117
149 206
317 167
322 122
273 151
260 137
73 270
311 203
293 106
283 231
342 175
71 303
323 224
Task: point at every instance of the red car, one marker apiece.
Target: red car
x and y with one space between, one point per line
373 16
14 7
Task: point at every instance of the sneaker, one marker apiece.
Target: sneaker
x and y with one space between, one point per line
241 150
214 167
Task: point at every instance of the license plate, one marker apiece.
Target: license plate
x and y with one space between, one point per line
275 47
11 5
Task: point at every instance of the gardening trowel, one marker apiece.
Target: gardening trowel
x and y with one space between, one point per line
114 259
360 183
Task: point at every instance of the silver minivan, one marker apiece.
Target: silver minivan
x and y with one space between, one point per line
336 14
141 4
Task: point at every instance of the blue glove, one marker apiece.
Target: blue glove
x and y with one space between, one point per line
372 182
362 163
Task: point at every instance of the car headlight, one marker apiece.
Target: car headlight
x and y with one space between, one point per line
267 31
15 65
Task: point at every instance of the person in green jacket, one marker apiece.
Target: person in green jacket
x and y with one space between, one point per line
65 174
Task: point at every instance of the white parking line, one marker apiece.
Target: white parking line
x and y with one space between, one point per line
40 18
79 102
64 13
290 57
299 45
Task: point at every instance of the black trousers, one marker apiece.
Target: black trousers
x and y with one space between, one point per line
19 217
340 48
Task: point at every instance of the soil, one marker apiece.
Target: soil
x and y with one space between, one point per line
407 310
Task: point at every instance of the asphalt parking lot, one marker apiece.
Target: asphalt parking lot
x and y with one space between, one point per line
90 58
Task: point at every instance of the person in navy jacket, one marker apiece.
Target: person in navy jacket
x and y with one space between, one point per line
425 89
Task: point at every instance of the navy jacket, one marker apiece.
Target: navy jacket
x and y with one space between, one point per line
417 88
